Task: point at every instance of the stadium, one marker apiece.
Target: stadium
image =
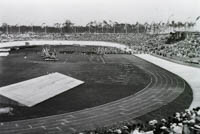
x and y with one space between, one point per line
99 67
116 87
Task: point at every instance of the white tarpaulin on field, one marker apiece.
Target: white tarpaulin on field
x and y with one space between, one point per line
36 90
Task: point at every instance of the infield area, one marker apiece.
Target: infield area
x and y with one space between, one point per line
107 78
117 88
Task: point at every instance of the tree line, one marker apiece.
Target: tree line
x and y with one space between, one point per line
96 27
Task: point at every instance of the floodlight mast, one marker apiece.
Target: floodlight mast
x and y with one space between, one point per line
168 20
126 28
32 28
45 27
7 29
187 23
75 29
19 30
114 28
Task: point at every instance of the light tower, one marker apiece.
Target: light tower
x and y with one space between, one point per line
45 27
17 25
32 28
7 29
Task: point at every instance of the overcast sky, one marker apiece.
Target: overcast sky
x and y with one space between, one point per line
81 12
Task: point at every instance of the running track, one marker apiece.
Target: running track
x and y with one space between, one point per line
163 88
188 73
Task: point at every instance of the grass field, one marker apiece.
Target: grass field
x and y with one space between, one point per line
133 89
107 78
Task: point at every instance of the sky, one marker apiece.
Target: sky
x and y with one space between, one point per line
80 12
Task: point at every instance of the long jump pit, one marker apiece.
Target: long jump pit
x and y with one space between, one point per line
37 90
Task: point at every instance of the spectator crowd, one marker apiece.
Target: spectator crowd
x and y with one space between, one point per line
187 49
186 122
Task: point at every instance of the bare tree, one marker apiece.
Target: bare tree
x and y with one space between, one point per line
58 26
45 27
113 25
90 24
67 25
5 25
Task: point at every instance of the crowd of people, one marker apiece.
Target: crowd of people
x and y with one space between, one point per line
186 122
186 50
31 36
100 50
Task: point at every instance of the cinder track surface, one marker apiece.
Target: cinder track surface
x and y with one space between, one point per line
163 88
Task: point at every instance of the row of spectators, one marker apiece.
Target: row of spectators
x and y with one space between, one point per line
187 122
31 36
187 49
101 50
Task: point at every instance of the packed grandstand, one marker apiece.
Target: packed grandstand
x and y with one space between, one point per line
186 49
